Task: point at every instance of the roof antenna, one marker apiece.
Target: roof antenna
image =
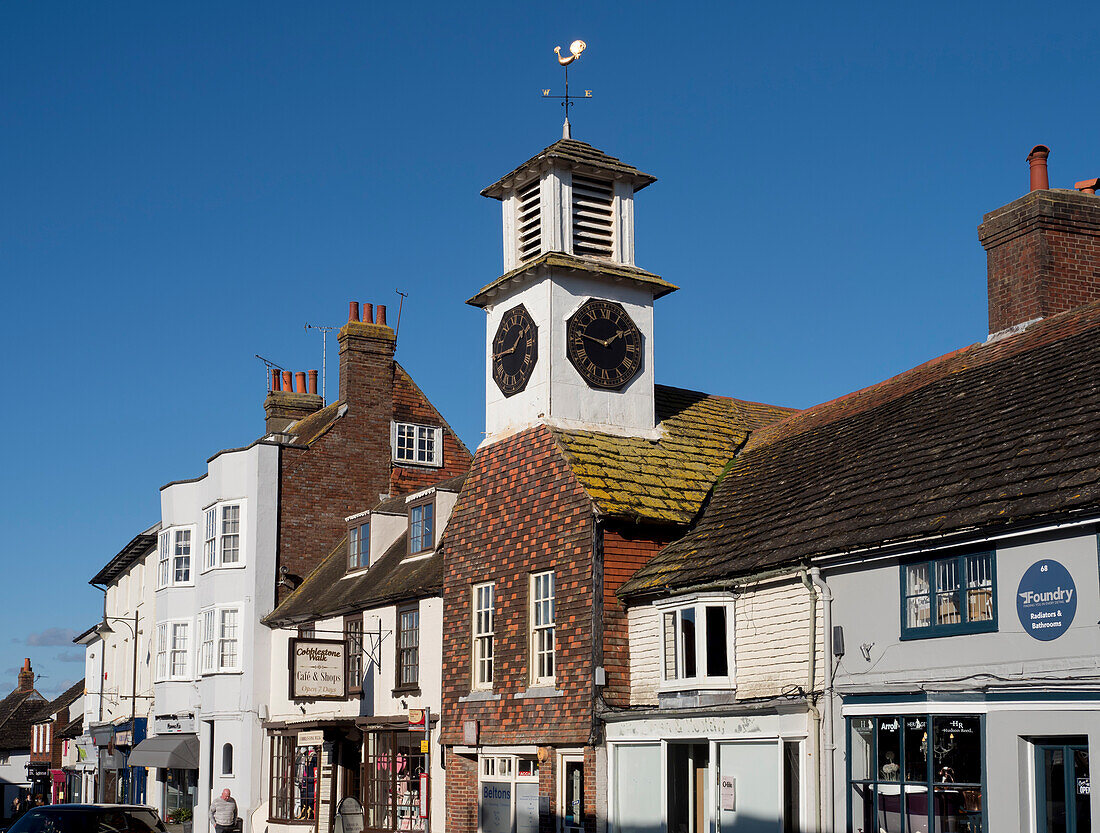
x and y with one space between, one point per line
575 50
268 365
400 304
324 356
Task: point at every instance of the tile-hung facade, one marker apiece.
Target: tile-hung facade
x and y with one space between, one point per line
588 468
241 537
948 519
344 746
48 779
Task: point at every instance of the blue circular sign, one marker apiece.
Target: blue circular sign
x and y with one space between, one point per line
1047 600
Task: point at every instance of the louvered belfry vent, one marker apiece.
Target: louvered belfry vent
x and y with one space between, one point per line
529 221
593 230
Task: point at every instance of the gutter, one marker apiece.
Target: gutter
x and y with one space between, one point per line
815 713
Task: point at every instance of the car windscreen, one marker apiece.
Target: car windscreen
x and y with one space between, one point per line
45 820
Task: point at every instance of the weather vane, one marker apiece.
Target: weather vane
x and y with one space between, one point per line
575 50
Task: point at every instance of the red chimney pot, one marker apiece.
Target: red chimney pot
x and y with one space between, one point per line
1087 186
288 381
1038 160
300 382
313 382
368 313
382 314
274 379
353 311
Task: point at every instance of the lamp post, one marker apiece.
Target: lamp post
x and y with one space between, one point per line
105 628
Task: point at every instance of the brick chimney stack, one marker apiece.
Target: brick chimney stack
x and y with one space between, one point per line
367 347
26 676
289 400
1043 251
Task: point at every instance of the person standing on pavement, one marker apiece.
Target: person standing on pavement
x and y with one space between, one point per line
223 812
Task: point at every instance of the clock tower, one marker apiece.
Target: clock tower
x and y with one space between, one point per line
569 328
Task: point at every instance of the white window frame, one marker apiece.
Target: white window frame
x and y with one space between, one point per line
419 432
540 608
212 630
483 633
161 667
166 556
490 768
700 681
167 652
214 535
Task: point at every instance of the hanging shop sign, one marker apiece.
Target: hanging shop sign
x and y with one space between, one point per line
418 720
317 669
1046 600
314 738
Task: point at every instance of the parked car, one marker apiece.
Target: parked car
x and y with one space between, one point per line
89 818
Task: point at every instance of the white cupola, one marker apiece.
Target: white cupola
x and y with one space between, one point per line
570 322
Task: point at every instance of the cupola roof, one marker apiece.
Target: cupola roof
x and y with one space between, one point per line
577 156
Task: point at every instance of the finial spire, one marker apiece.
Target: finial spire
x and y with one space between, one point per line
575 50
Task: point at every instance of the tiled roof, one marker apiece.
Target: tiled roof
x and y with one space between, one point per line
592 265
665 480
580 155
329 591
309 429
142 544
74 728
17 711
996 435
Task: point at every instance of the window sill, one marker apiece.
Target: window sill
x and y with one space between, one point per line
478 695
937 631
539 691
412 464
696 686
406 692
222 672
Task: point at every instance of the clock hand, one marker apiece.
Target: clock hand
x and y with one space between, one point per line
618 334
511 349
603 342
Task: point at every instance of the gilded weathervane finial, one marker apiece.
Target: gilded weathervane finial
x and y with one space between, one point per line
575 50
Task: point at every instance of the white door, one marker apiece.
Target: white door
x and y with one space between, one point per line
748 788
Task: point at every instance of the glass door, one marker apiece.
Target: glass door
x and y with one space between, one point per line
1063 788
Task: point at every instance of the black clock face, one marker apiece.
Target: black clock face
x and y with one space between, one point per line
604 344
515 350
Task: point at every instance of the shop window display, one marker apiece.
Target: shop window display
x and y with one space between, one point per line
294 772
916 773
391 780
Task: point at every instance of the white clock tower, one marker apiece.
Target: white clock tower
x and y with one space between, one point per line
569 332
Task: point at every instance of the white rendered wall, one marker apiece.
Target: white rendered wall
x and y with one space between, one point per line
556 392
233 701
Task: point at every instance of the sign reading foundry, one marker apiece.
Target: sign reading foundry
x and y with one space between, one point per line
1046 600
317 669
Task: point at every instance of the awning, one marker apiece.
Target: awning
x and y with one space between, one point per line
167 751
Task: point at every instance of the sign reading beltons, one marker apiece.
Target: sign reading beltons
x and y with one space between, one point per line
317 669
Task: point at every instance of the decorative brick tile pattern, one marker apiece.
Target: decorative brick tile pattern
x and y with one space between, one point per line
521 511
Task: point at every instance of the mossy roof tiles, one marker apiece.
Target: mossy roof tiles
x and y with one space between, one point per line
996 435
664 480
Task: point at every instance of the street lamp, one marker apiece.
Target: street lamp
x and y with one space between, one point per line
104 629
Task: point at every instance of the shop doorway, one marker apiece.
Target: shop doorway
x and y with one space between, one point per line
688 768
1062 786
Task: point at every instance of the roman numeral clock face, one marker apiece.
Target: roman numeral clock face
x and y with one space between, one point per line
604 344
515 350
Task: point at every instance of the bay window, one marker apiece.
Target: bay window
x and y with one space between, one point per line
697 642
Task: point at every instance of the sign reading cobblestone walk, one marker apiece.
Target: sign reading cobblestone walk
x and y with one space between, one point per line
1046 600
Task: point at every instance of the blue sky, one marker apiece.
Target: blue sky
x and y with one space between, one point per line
186 185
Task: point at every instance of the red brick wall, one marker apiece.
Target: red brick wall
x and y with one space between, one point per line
521 511
461 794
1043 256
625 549
346 469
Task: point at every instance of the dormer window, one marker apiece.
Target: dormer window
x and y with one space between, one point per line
419 445
593 217
421 527
529 221
358 546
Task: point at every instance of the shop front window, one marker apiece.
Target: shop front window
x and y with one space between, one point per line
293 779
916 773
179 792
508 794
391 780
